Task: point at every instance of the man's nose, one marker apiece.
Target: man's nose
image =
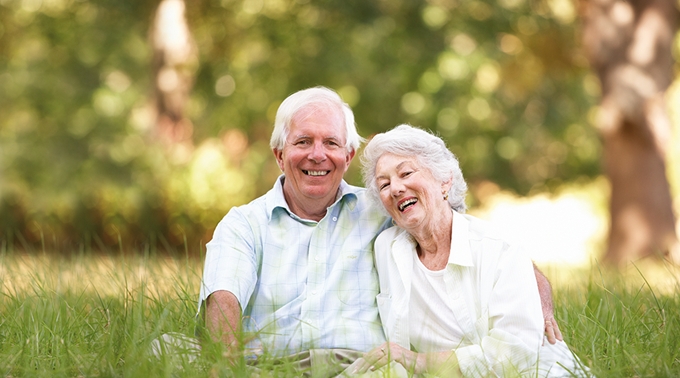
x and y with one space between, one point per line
318 153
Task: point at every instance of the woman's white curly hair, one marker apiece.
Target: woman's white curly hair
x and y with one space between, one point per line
429 150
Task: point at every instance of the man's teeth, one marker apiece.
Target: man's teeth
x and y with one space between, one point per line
404 204
317 173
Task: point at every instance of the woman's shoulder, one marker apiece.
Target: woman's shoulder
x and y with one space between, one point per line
482 229
393 237
386 237
489 241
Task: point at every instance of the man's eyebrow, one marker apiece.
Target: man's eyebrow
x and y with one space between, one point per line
303 136
299 136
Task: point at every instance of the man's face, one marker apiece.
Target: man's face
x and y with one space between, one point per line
314 158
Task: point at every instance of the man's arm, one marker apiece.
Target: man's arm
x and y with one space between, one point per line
223 319
545 291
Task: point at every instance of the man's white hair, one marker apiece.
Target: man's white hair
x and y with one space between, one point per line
316 97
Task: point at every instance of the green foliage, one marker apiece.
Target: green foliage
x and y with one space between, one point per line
82 164
506 86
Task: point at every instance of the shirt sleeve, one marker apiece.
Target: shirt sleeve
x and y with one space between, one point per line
514 321
231 259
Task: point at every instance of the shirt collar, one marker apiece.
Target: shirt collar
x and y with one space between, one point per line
460 254
276 199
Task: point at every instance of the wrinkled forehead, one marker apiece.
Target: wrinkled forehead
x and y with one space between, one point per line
389 161
319 109
322 116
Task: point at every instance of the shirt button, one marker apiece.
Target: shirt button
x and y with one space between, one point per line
314 292
335 219
316 258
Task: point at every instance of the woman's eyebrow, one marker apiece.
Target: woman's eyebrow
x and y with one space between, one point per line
400 165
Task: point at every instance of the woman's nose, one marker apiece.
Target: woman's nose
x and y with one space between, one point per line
397 188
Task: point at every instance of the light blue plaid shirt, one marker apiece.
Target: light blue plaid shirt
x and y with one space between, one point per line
301 284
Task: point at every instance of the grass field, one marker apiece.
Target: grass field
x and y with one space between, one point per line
97 315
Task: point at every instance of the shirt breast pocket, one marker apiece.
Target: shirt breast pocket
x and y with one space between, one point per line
358 282
384 305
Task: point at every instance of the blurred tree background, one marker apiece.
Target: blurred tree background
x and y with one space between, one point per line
113 139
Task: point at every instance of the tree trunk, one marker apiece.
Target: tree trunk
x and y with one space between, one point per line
175 59
629 46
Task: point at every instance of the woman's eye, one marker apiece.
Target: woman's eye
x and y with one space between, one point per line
383 186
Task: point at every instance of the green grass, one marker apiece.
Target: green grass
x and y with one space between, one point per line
97 315
623 324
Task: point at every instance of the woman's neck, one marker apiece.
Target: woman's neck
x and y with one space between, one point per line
434 241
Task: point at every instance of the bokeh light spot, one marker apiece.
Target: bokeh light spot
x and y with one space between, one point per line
510 44
451 67
168 79
413 102
510 4
447 121
435 17
488 77
349 94
527 25
463 44
563 10
430 82
107 103
118 81
508 148
479 109
225 86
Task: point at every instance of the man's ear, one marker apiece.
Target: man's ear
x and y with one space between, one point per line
278 154
349 157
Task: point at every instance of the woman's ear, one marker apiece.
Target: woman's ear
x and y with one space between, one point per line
446 185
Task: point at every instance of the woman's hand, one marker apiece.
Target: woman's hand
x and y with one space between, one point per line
443 364
387 352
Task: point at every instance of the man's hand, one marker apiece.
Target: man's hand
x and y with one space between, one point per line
552 330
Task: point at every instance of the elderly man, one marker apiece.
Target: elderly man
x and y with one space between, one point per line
291 273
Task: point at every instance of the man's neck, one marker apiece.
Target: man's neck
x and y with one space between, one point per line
309 214
310 209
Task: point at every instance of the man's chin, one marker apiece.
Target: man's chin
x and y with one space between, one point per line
319 190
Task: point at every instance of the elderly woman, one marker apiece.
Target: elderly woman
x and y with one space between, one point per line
455 299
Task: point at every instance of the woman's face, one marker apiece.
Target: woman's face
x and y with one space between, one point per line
409 192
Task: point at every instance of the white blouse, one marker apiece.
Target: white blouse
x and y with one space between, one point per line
492 292
431 328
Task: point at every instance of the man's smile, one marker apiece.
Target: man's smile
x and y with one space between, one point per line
316 173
